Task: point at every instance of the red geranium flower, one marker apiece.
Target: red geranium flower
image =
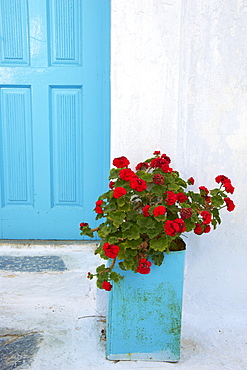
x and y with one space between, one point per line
106 285
159 210
191 181
111 184
99 202
126 174
168 159
144 266
228 186
185 213
203 190
157 152
221 178
145 211
181 197
121 162
207 229
171 198
138 184
229 203
83 224
165 168
174 227
158 179
207 218
98 208
111 250
198 229
119 192
142 165
159 162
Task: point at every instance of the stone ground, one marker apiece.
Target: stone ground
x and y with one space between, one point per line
51 317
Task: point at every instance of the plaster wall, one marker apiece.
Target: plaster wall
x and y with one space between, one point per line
179 85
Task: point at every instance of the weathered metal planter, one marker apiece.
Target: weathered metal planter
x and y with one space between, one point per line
144 313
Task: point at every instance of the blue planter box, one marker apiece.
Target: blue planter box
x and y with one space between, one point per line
144 313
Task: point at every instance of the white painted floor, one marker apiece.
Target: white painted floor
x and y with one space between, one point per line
58 305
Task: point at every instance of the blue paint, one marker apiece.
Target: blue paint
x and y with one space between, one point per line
32 263
54 116
144 313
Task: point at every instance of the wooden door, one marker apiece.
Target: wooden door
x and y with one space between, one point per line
54 115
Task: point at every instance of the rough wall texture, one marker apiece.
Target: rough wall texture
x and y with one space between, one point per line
179 85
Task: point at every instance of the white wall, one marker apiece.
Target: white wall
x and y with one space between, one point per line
179 85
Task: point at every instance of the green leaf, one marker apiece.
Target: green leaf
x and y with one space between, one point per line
214 223
111 206
160 244
197 198
120 201
100 268
148 177
158 190
152 233
117 217
104 231
126 226
113 240
105 195
217 201
132 233
132 244
190 225
173 187
216 215
181 182
157 257
114 276
214 192
146 222
114 172
132 216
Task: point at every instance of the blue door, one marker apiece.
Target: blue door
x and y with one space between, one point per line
54 115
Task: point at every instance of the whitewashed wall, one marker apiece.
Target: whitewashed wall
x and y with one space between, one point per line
179 85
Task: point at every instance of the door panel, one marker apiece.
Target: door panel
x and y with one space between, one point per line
54 128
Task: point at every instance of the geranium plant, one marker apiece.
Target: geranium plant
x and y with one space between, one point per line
146 213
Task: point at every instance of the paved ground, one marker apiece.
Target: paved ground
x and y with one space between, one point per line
51 317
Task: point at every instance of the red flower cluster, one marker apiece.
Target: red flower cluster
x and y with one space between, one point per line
98 208
83 224
198 229
204 193
191 181
185 213
106 285
203 190
159 210
158 179
174 227
119 192
111 184
138 184
207 218
111 250
144 266
142 165
126 174
145 211
226 182
229 203
159 162
171 198
121 162
181 197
